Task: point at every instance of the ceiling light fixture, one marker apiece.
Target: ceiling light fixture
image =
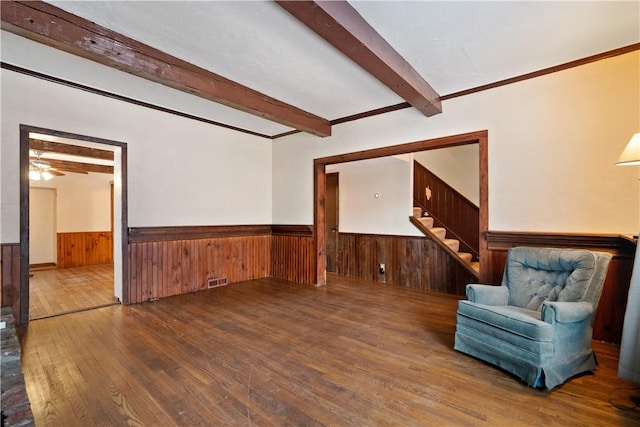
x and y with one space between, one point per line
39 169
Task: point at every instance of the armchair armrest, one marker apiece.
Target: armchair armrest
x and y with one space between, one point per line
565 312
488 294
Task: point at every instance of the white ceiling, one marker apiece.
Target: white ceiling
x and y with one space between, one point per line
453 45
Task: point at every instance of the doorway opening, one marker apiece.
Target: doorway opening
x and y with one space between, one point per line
333 214
79 261
320 189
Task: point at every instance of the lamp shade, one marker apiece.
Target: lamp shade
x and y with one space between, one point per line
631 154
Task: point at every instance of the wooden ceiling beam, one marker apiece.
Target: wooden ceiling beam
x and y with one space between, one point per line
78 167
342 26
54 27
73 150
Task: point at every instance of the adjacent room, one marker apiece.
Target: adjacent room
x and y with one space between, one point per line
320 213
70 227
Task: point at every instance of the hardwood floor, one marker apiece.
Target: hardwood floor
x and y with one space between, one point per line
55 291
269 352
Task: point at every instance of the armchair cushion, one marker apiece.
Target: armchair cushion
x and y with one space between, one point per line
488 294
566 312
538 324
516 320
535 275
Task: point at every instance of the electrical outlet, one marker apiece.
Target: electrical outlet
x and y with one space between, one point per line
382 269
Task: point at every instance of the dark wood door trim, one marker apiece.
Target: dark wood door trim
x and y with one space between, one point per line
25 130
319 221
332 216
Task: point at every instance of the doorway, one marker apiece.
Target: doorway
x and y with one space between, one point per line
68 144
332 217
320 189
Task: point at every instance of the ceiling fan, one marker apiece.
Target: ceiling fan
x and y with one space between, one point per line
41 169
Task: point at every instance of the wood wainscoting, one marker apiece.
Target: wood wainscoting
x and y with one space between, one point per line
84 248
10 276
415 262
449 208
610 317
167 261
293 253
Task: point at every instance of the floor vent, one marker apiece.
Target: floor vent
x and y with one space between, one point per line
217 281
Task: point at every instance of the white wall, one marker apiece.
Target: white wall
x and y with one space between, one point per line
42 226
360 211
457 166
553 142
84 201
180 172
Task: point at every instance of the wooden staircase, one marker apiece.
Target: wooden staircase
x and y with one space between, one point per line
439 235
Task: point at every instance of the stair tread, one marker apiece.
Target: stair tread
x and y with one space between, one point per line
427 221
467 257
454 244
439 232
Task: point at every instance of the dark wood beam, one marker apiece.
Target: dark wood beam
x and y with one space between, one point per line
342 26
54 27
73 150
77 167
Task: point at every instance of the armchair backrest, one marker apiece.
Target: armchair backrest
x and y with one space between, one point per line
535 275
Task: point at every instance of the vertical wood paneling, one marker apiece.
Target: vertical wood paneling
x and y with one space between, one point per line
414 262
159 269
10 277
84 248
293 258
610 317
449 207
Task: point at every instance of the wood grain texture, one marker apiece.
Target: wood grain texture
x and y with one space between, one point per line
346 30
479 137
270 352
450 209
77 167
147 234
160 269
119 97
293 258
292 230
16 410
55 291
74 150
78 36
610 318
319 220
84 248
415 262
10 277
332 215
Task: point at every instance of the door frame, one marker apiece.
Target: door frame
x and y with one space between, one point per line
319 188
25 130
337 231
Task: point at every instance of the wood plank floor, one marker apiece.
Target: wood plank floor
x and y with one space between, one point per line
60 290
268 352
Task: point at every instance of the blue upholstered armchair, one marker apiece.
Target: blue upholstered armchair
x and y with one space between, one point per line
538 324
